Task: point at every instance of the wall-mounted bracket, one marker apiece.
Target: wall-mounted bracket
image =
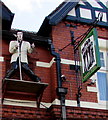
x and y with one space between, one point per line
24 87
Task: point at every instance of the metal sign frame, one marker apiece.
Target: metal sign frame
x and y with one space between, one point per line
89 55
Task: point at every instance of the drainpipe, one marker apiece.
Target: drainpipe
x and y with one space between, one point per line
61 91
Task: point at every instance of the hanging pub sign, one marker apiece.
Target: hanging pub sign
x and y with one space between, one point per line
90 57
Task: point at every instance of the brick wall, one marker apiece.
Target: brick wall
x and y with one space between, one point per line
77 113
60 37
53 113
24 113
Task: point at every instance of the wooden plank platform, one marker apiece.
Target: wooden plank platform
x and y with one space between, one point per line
23 86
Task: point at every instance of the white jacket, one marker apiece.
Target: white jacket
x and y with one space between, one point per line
25 48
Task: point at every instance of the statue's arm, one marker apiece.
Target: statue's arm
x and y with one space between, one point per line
12 47
30 48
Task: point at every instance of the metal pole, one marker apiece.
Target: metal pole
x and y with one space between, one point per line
19 40
19 54
61 92
63 108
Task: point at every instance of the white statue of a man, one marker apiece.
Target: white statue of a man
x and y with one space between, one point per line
19 49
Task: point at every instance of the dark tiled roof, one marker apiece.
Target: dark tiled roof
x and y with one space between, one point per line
61 12
28 36
7 17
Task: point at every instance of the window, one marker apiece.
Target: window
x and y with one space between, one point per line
102 86
102 59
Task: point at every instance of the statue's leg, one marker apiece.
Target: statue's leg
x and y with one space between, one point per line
30 73
12 70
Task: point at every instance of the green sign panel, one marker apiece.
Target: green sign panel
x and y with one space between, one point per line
89 53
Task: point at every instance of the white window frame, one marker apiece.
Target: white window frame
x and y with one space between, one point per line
98 96
104 49
105 60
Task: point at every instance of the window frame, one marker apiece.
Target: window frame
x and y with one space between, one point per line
105 54
102 58
104 102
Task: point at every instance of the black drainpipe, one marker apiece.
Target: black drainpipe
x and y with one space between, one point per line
61 91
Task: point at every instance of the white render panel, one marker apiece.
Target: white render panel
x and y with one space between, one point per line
92 89
94 3
85 13
19 102
45 64
103 44
70 103
25 103
93 105
65 61
1 59
81 2
48 65
72 12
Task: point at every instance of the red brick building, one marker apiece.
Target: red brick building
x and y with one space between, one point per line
53 57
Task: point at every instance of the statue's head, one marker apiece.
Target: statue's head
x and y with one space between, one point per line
19 36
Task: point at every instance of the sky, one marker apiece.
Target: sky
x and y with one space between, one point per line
29 14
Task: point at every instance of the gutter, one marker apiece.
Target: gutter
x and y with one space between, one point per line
58 64
61 91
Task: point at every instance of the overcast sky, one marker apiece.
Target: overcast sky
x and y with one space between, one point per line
29 14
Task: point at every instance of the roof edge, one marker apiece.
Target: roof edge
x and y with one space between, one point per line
56 16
